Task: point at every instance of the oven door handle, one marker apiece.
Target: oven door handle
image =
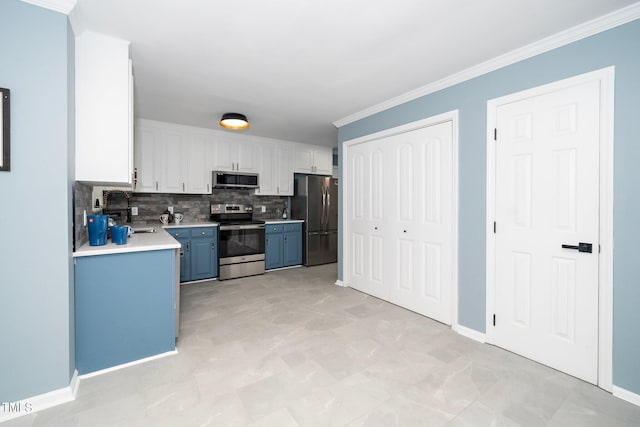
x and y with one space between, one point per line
242 227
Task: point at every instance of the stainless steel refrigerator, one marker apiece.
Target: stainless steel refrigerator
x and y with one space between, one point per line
315 201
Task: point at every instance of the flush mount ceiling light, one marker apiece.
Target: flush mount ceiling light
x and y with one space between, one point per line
234 121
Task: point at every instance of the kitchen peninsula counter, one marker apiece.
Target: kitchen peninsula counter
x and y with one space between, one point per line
126 301
138 242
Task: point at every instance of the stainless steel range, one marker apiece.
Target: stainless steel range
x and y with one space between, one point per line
241 247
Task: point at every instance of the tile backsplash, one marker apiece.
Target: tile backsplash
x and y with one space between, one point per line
194 207
81 204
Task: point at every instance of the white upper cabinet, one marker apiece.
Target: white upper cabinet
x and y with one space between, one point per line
275 171
235 156
147 161
285 170
198 166
313 159
171 159
104 109
173 149
268 170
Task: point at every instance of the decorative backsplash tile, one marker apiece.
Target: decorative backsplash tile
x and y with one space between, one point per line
81 203
194 207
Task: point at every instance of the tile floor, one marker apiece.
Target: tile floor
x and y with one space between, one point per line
292 349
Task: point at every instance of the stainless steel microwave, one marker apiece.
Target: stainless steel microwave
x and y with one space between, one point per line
223 179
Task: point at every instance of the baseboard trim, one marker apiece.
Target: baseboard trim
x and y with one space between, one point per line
11 410
470 333
126 365
341 283
627 395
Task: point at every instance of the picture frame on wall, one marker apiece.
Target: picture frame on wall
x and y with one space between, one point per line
5 133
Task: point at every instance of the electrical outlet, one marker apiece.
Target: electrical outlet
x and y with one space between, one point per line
170 209
134 211
263 209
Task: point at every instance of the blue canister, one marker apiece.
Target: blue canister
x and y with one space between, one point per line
97 227
119 234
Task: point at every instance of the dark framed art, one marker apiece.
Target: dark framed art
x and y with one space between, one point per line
4 135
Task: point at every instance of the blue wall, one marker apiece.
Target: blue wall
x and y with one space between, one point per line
36 271
619 47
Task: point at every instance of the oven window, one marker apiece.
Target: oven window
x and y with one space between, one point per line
241 242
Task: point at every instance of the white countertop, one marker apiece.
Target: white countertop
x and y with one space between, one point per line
191 224
138 242
279 221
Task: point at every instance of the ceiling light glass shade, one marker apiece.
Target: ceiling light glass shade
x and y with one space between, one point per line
234 121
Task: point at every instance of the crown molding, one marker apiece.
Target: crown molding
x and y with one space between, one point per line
62 6
598 25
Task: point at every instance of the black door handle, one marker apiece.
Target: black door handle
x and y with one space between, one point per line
582 247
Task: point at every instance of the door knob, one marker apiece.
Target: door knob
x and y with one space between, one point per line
582 247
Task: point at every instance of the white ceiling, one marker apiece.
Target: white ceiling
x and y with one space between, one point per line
294 66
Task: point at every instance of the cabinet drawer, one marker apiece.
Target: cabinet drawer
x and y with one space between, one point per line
294 226
201 232
274 228
180 233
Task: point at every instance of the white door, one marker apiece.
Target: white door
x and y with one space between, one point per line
420 227
400 219
366 211
547 195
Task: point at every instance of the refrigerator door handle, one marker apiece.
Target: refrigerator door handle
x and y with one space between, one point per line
325 211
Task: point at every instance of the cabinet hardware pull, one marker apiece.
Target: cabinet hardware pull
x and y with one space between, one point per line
156 185
203 233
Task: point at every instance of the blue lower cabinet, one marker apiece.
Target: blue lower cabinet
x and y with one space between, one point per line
273 254
204 253
199 252
124 308
283 247
293 246
183 236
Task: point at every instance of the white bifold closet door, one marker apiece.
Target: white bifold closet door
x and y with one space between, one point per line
400 225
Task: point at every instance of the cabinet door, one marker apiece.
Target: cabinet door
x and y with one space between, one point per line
284 171
292 248
246 156
323 161
222 159
103 101
147 161
172 173
204 244
273 250
303 158
183 236
185 259
235 156
268 170
198 175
